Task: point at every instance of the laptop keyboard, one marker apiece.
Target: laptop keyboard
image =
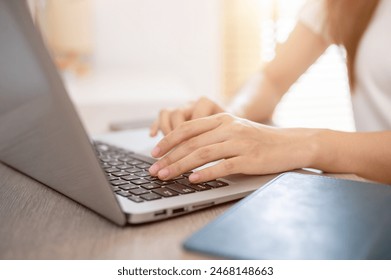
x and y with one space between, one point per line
129 176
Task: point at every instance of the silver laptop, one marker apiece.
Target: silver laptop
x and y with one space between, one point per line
42 137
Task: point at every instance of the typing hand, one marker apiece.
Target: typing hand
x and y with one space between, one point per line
242 146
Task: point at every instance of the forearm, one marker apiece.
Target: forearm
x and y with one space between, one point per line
365 154
257 100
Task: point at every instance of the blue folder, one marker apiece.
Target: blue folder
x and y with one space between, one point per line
298 216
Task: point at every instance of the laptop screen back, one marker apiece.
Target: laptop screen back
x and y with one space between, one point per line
40 133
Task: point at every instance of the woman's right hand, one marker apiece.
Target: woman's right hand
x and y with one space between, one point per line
169 119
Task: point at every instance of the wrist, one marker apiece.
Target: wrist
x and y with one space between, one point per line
319 154
312 147
301 147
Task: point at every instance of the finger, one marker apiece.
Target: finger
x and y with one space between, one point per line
197 158
154 128
188 111
202 108
184 132
223 168
177 117
186 148
164 122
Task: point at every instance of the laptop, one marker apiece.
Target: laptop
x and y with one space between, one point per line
42 137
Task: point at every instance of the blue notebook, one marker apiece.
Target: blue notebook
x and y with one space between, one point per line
299 216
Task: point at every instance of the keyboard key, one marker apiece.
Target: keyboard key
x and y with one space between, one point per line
180 188
142 174
125 159
115 189
133 170
111 169
150 178
197 187
124 166
132 161
130 177
128 187
150 196
139 181
216 184
115 163
184 182
115 155
150 186
144 165
135 199
163 183
120 173
119 182
123 193
200 187
139 191
111 178
165 192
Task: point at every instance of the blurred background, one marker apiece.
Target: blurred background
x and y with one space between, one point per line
124 60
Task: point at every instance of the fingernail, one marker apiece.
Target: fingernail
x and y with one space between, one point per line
155 152
195 177
154 168
164 173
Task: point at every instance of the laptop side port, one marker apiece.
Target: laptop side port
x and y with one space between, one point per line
178 210
161 213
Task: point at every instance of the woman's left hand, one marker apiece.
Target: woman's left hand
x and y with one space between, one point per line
240 146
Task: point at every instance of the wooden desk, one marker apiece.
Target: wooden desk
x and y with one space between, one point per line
39 223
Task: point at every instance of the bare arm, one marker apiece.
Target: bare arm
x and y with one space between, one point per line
366 154
259 97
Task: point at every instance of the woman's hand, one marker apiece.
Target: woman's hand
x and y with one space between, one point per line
168 120
241 146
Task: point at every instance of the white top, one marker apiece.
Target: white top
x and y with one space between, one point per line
371 98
